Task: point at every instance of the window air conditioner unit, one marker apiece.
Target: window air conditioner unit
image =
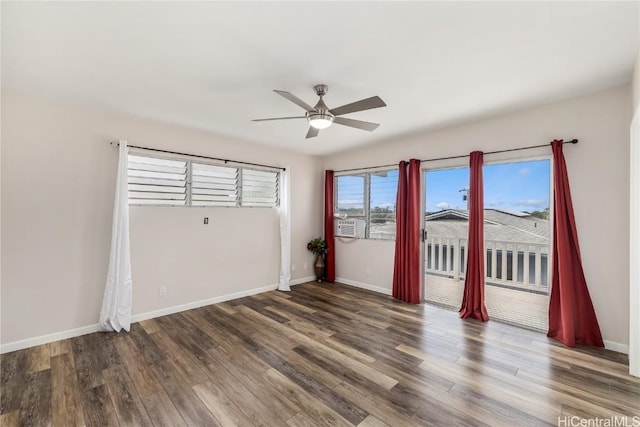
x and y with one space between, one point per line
350 228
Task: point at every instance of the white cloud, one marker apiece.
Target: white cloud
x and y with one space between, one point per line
443 205
494 203
533 203
524 172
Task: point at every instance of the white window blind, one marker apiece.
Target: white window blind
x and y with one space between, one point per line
259 188
213 185
176 182
154 181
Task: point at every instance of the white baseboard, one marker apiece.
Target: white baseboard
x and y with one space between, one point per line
71 333
196 304
303 280
44 339
366 286
616 346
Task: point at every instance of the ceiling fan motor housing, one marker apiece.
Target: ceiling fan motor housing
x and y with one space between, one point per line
321 90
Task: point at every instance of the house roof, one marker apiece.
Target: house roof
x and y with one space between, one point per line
499 225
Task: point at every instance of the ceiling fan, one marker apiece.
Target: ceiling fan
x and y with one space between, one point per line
321 117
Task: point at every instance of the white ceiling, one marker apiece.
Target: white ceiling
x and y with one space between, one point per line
213 65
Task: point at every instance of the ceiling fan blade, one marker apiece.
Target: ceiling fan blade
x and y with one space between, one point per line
291 97
278 118
313 132
363 104
359 124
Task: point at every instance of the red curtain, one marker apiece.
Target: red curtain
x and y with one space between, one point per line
473 297
330 257
406 268
572 319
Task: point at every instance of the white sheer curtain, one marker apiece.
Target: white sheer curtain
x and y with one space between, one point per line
285 232
116 303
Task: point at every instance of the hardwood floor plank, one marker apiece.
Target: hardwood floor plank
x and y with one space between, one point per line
372 421
38 358
10 419
292 306
310 407
13 371
313 379
35 405
376 405
500 396
345 369
126 401
221 404
107 355
196 343
192 409
60 347
238 387
150 326
145 345
162 411
98 407
66 400
87 363
190 368
140 373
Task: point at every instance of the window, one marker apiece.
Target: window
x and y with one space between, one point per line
176 182
259 188
370 197
213 185
154 181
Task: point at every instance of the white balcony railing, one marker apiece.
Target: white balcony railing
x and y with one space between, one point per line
515 265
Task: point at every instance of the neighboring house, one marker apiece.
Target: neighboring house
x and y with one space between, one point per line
504 233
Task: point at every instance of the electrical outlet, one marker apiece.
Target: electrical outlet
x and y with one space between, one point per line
162 291
206 220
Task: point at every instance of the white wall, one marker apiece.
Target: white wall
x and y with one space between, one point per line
598 170
634 221
58 177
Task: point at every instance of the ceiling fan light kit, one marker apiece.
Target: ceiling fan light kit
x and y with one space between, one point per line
321 117
320 121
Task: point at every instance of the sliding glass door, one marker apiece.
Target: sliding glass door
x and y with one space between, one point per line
446 225
516 231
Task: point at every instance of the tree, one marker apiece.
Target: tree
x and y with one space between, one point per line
544 214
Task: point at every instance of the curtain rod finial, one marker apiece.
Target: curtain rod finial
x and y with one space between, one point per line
573 141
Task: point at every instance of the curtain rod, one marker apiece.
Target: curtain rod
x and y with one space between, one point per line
573 141
200 157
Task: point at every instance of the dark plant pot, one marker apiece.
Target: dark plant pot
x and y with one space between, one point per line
319 267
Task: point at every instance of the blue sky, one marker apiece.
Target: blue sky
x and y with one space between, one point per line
522 186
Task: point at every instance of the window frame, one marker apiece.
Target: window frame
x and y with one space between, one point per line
189 181
366 197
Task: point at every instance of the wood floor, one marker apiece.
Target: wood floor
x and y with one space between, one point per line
320 355
520 308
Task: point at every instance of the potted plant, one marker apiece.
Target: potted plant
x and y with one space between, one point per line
318 247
